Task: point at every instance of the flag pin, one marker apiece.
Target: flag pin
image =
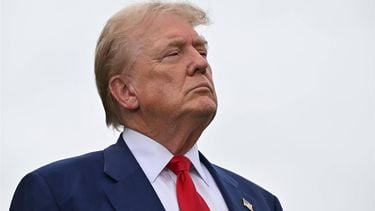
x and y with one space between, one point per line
247 204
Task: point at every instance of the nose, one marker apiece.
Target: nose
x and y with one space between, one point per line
198 63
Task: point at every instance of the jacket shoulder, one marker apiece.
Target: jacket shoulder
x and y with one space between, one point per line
75 165
250 189
50 186
240 181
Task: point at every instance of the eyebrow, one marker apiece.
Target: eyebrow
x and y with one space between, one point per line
176 42
200 41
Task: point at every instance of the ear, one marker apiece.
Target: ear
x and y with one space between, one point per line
123 92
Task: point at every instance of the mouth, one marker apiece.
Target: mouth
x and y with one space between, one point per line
202 87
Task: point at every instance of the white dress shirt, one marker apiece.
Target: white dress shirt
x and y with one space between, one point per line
153 159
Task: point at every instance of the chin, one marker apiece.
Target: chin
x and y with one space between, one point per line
205 108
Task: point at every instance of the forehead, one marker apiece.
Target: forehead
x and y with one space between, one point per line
171 28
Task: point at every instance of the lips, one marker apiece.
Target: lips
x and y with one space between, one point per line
202 86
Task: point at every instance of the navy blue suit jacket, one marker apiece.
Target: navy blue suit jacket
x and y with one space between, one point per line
112 180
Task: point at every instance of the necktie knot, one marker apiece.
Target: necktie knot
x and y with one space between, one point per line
179 164
187 196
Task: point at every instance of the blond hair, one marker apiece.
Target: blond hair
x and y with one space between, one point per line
116 48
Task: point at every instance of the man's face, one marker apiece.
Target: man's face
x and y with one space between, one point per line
171 75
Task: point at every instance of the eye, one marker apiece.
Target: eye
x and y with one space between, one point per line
172 54
203 53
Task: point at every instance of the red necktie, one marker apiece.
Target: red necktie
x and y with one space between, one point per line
187 196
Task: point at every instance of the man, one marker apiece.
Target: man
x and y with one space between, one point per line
154 81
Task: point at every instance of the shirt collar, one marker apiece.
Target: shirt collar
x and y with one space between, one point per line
153 157
193 155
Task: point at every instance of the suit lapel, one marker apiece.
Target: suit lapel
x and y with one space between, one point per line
228 187
129 188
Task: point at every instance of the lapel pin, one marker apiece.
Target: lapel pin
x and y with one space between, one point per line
247 204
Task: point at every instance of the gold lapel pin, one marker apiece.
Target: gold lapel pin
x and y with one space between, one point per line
247 204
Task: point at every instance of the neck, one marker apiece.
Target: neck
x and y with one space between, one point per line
178 136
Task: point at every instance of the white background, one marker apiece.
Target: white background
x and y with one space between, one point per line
295 80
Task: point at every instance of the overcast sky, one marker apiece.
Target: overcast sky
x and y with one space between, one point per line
295 81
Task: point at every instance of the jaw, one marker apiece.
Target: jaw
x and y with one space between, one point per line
205 108
202 104
179 127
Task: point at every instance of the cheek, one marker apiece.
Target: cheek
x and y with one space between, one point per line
165 80
164 87
170 79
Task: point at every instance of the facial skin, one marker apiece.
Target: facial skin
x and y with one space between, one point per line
170 88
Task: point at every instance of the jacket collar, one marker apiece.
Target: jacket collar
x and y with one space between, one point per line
130 188
228 187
